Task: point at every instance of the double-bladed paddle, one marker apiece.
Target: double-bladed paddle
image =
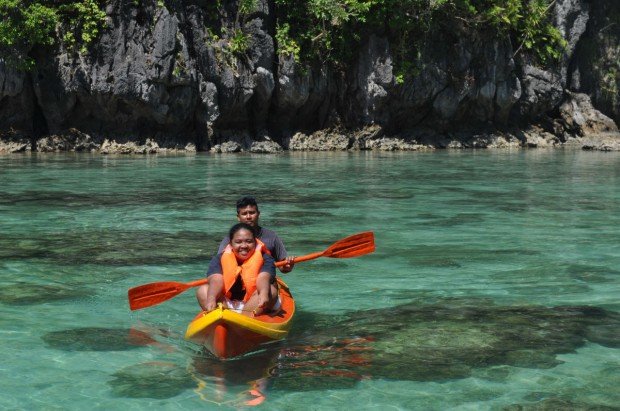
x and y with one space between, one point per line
147 295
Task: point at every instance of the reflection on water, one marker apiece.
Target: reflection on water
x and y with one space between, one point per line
151 380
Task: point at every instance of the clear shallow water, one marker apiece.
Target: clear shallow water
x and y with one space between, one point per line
495 281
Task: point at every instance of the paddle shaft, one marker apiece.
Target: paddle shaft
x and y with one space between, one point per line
197 283
301 258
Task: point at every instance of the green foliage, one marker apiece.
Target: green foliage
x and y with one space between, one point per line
246 7
180 66
231 43
25 24
329 30
287 46
536 34
238 43
81 22
609 85
321 29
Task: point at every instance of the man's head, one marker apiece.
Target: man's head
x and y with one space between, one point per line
247 211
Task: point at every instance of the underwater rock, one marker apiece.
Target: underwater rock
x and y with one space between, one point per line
31 294
555 404
591 274
110 247
450 339
158 380
97 339
607 335
532 359
438 342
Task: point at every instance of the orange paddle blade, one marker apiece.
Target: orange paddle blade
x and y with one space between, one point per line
352 246
154 293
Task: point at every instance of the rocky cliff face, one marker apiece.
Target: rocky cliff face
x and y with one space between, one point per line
158 78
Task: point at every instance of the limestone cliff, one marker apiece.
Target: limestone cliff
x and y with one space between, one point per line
158 78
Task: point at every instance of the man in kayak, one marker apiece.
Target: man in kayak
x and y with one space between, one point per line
247 212
242 277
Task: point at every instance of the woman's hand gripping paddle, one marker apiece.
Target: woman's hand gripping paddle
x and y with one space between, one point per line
147 295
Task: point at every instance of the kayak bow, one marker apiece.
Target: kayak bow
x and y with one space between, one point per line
227 334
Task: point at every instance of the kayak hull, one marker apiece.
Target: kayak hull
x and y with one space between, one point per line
226 333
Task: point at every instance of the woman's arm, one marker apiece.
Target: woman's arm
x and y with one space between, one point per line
216 287
205 293
263 287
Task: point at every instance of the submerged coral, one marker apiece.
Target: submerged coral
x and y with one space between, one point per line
446 340
97 339
30 293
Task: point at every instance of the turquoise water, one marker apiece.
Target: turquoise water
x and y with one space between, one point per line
495 282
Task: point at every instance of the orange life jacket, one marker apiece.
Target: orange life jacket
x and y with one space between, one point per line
249 270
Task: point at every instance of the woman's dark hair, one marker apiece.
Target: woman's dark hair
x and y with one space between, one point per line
241 226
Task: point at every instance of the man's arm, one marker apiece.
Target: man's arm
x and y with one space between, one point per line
280 253
276 248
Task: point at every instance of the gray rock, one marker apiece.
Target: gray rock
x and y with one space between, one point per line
268 147
602 142
319 141
535 137
596 61
131 147
292 87
580 118
571 18
374 78
542 91
70 140
226 147
14 142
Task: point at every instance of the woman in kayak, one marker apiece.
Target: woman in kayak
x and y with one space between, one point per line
242 277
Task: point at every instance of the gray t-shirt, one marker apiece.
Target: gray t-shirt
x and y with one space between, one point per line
271 241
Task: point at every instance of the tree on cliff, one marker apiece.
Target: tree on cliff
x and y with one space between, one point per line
28 23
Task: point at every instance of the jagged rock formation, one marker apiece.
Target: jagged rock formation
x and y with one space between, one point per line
157 79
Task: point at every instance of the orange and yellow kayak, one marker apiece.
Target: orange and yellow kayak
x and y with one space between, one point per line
228 334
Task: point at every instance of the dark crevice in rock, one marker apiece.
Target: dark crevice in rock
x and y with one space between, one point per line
39 123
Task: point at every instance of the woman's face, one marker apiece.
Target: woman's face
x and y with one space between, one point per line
243 244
